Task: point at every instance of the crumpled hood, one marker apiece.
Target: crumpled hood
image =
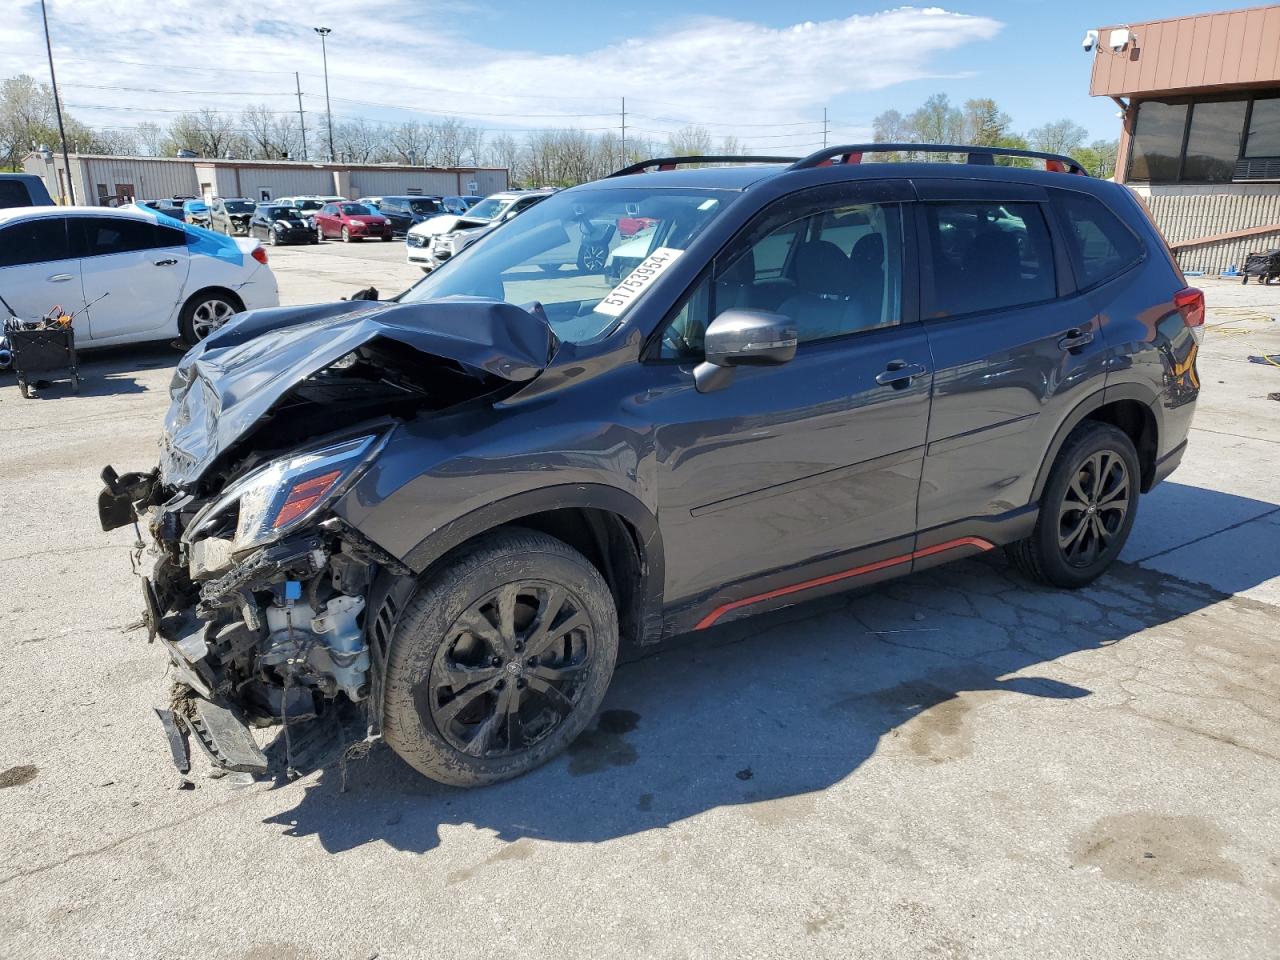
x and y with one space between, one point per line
227 383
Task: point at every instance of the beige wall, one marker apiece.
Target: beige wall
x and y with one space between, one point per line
1185 212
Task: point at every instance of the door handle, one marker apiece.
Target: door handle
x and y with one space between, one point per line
1076 337
168 262
899 373
60 278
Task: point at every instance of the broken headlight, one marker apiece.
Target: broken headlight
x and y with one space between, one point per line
279 496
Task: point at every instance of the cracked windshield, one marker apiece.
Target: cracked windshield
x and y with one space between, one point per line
570 251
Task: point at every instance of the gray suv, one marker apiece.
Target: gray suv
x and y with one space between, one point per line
453 508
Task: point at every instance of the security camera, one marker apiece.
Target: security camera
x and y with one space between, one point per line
1090 41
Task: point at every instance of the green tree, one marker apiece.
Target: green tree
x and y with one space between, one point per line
1099 157
985 124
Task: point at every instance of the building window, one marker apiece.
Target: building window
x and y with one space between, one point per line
1213 142
1264 129
1157 141
1196 140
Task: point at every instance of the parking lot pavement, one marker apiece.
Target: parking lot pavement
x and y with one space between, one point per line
956 764
322 272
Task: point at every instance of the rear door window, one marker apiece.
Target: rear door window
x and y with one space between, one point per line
987 256
34 241
105 236
1099 243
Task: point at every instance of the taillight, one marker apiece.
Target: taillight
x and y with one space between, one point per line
260 254
303 496
1190 303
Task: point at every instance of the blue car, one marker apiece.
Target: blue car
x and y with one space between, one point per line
197 212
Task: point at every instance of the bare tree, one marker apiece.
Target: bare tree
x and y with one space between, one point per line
690 141
356 141
731 147
503 151
150 138
410 142
455 143
1061 136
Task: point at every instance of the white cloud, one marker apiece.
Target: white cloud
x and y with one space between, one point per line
732 74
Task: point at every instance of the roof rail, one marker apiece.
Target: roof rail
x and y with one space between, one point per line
666 163
982 155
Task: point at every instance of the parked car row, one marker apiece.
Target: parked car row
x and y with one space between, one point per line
432 242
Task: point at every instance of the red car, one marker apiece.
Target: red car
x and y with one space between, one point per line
351 221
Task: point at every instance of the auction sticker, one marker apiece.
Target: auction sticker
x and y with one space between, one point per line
639 280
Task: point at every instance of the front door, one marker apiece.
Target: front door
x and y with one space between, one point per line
803 475
38 271
1015 348
134 274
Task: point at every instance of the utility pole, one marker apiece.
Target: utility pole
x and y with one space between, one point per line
302 120
57 104
824 128
624 131
328 109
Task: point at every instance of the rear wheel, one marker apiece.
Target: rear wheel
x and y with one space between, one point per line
204 313
1087 510
500 660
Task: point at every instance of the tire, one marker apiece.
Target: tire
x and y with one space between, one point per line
272 239
430 650
203 313
593 257
387 238
346 235
1093 537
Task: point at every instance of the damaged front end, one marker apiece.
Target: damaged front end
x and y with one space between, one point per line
258 591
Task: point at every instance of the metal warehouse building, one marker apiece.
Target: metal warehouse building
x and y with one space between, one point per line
108 180
1200 97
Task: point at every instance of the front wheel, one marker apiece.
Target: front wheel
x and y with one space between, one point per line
1087 510
346 235
500 660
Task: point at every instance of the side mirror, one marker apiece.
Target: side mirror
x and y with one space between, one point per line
743 338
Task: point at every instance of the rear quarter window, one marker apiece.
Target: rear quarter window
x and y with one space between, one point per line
13 193
1099 243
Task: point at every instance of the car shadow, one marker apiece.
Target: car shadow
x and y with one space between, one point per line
761 713
103 372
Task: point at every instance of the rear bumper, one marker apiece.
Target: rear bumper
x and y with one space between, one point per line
1168 463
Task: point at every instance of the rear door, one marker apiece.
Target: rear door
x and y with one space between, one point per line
808 470
134 273
1015 348
37 268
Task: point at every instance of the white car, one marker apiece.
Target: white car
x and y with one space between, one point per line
420 247
128 274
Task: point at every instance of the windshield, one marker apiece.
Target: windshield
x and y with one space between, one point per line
424 206
487 209
281 213
240 206
195 205
309 204
567 253
356 210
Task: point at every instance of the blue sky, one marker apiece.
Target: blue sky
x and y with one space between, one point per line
760 71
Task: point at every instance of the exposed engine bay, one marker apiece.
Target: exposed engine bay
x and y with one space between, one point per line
262 597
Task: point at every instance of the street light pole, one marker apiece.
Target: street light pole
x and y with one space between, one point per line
324 53
57 104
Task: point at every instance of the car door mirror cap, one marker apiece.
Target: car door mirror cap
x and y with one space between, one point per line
750 338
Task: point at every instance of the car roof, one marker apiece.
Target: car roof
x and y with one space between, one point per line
13 213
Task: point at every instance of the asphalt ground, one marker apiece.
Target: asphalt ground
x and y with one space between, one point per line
957 764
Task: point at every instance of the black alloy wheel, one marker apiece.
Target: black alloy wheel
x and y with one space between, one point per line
1095 507
512 669
1087 509
498 659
